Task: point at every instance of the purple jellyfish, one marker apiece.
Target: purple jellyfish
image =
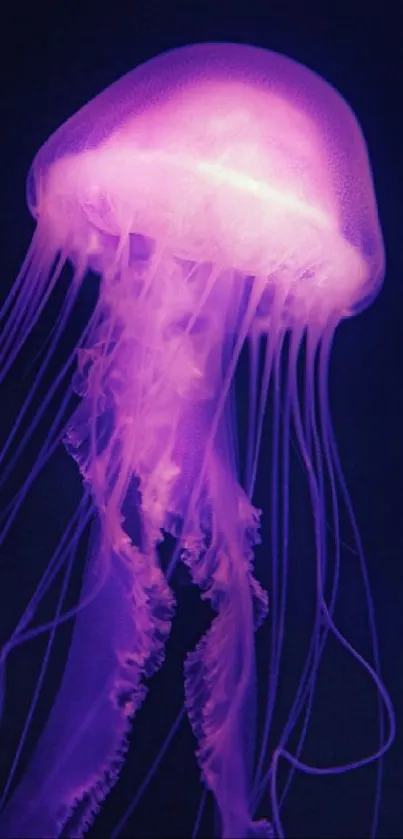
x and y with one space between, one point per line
224 198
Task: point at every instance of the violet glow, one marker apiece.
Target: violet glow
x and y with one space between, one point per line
224 196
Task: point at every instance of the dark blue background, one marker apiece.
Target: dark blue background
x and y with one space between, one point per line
52 62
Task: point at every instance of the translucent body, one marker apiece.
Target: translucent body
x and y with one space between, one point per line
222 193
195 144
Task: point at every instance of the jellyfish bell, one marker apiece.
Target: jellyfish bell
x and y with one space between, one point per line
222 193
241 142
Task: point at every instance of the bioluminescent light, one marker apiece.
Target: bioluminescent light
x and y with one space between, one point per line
223 195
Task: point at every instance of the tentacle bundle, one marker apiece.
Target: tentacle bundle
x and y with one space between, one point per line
219 674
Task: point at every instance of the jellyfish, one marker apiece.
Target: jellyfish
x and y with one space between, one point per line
218 197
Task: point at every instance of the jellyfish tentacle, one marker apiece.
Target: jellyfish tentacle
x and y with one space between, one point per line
219 673
17 639
129 616
59 329
40 280
80 752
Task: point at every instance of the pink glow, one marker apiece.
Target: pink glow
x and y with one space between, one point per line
241 137
223 194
